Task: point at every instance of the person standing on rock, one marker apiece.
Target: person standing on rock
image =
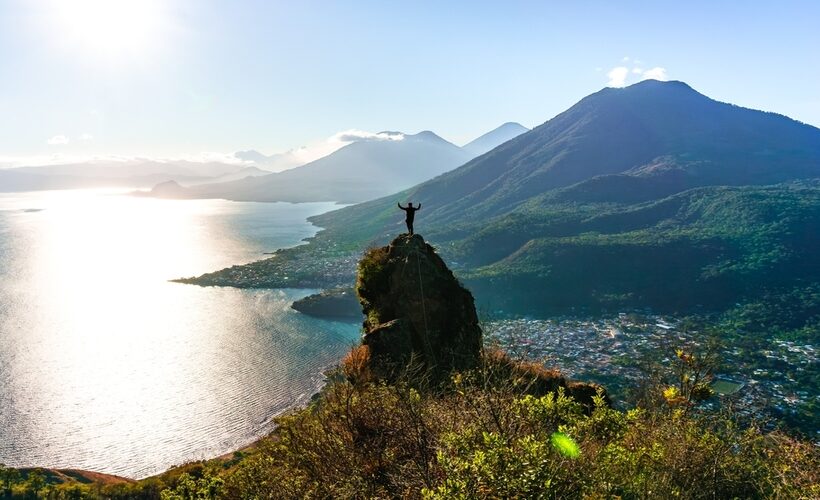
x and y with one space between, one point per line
410 212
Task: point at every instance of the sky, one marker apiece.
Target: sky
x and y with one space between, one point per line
193 78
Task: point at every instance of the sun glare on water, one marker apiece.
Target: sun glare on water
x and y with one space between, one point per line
106 365
116 28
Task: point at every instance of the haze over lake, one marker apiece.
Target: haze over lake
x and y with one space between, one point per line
106 365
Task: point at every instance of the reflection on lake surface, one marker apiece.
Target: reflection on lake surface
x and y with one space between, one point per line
105 365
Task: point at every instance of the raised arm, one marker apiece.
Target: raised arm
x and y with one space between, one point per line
419 208
399 204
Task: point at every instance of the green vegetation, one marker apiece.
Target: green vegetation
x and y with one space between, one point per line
786 314
486 434
702 250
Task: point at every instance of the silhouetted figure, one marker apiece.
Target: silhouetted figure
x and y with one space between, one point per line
410 210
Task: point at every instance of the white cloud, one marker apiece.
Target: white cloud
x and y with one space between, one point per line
58 140
203 157
656 73
620 76
355 135
617 76
625 59
319 149
86 137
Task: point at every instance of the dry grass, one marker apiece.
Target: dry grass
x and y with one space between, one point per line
356 365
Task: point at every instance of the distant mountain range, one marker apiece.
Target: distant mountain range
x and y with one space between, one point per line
271 163
367 168
357 172
241 173
494 138
114 173
360 171
651 195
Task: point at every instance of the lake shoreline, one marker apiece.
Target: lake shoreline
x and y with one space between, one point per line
151 373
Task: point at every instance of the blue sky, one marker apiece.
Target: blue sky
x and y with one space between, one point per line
170 78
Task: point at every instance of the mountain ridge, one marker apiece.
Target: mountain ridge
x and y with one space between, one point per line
599 184
495 138
363 170
356 172
520 169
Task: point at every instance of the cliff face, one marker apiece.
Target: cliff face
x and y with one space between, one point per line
416 311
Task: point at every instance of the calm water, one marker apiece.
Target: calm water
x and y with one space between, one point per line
105 365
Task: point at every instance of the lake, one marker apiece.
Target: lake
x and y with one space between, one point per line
106 365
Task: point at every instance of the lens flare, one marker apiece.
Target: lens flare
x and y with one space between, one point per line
565 445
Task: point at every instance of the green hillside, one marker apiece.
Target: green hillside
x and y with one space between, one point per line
649 196
703 248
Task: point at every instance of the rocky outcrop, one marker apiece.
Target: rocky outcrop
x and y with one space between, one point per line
526 377
417 314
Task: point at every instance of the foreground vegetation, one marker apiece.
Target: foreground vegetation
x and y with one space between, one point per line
493 432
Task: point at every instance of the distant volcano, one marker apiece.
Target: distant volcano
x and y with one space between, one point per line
495 138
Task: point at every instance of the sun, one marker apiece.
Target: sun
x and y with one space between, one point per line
117 28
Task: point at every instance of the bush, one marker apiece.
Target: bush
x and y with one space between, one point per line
487 436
